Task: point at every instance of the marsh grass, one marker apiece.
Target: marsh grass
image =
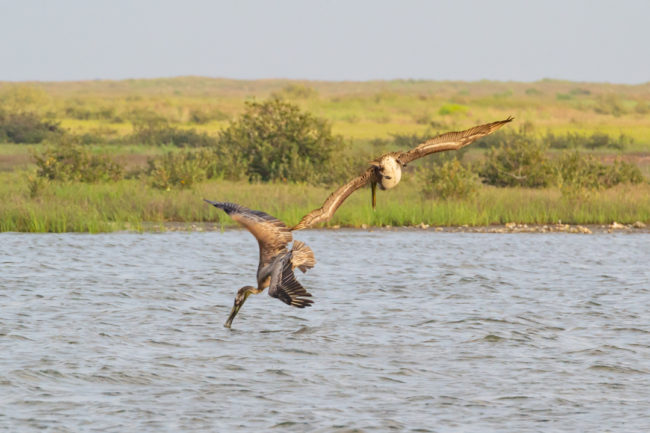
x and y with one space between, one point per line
376 108
134 205
103 114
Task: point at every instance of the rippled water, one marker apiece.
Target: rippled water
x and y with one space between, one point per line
410 331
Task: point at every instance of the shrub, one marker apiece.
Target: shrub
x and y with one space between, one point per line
642 107
179 169
578 173
25 128
623 172
572 140
520 160
449 180
68 161
609 104
157 132
274 140
204 116
78 110
35 184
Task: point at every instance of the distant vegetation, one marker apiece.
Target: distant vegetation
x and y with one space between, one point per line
27 128
177 136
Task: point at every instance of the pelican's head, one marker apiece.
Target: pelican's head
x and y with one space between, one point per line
240 298
390 172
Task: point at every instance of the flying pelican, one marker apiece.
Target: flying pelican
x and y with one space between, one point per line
275 270
386 171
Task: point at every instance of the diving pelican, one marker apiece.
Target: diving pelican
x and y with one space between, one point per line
275 270
386 171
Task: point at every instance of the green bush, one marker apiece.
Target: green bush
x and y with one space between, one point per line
578 173
622 172
179 169
25 128
449 180
202 116
77 109
642 107
276 141
573 140
520 160
609 104
67 161
158 132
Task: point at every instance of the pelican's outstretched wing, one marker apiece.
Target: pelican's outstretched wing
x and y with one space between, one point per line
271 233
335 200
451 141
448 141
286 288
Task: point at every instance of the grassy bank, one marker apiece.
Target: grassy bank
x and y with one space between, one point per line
91 142
132 204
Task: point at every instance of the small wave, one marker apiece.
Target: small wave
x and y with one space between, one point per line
513 397
617 369
490 338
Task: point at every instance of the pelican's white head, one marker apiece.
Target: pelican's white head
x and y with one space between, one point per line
390 171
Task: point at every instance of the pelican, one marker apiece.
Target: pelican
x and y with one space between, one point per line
277 263
386 171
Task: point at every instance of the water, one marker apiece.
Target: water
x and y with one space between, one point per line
410 331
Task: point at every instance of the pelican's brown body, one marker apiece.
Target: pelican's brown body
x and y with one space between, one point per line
277 263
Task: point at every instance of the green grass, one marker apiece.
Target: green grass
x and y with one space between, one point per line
359 111
134 205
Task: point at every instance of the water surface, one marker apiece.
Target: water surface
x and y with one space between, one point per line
410 331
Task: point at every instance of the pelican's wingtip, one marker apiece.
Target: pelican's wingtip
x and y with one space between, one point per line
209 201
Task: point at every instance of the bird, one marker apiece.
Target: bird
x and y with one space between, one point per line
386 171
277 263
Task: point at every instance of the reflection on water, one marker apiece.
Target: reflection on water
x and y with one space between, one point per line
411 331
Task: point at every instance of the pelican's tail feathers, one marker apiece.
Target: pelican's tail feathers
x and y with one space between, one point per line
302 257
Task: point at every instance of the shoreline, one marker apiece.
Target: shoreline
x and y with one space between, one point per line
637 227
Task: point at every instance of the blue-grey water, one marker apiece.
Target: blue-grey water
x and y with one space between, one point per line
410 331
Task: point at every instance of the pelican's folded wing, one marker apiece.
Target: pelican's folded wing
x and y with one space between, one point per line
286 288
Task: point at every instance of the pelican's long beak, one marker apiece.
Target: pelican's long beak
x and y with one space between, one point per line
233 313
373 186
235 309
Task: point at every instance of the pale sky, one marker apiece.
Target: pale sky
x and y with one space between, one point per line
580 40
